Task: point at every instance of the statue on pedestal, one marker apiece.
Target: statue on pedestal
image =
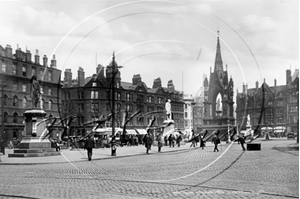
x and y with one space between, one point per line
35 91
168 109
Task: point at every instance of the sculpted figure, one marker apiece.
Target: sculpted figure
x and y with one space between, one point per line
168 109
35 91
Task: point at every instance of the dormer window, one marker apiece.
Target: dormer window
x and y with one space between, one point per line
94 84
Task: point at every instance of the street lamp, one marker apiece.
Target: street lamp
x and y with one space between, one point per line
193 115
228 134
114 73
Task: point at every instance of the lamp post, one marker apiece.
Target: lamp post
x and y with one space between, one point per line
193 115
114 73
113 140
228 134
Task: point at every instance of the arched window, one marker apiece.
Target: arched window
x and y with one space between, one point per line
15 118
5 100
24 102
5 117
15 101
50 105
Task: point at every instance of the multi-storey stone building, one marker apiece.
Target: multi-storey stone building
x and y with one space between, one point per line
193 112
90 98
275 106
16 70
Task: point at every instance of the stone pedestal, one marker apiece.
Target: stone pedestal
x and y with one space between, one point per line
170 128
33 143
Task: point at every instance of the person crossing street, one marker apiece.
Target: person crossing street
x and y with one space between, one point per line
89 145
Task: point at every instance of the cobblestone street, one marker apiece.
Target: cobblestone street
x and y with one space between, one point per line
189 173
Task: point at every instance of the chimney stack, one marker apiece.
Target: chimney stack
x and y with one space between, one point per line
136 79
28 56
37 57
45 60
81 78
53 62
8 51
68 76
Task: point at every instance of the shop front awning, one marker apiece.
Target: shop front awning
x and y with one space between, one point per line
141 131
131 131
279 129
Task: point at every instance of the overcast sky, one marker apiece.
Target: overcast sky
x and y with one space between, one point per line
174 40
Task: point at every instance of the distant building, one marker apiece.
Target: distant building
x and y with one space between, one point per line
90 98
16 70
280 108
188 111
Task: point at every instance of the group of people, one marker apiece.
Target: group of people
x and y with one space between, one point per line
172 139
148 141
196 139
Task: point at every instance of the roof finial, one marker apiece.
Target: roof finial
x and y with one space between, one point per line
218 32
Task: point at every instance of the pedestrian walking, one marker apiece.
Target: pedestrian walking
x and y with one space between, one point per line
166 140
170 140
241 140
178 140
147 141
193 139
202 142
196 139
89 145
57 145
173 140
159 141
216 141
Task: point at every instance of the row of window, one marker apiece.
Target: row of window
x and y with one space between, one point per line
25 71
128 97
15 117
24 88
15 102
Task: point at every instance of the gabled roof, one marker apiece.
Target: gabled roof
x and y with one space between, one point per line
129 86
126 85
158 90
89 81
141 86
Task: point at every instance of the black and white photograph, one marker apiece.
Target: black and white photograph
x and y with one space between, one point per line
149 99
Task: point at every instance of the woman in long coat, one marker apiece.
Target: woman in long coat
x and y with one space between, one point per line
202 142
148 142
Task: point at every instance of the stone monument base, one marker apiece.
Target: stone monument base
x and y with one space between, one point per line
33 147
32 144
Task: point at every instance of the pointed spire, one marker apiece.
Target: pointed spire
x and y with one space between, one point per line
113 59
218 61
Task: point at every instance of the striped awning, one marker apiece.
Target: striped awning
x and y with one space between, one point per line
141 131
131 131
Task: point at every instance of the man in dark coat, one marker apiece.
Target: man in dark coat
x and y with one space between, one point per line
159 141
89 145
216 141
148 142
202 142
241 140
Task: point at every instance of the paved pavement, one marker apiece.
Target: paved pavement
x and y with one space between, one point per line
74 155
179 173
